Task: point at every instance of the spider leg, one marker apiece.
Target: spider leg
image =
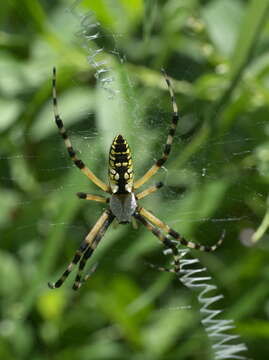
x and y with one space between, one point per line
97 198
154 220
159 163
149 191
79 163
105 218
88 275
164 239
161 268
88 253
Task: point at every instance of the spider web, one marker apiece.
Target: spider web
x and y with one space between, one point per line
224 345
190 212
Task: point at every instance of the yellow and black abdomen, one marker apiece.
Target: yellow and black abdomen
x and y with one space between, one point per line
120 166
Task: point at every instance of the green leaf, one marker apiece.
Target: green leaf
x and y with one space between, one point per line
223 19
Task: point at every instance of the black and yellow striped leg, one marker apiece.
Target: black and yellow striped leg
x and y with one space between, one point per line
161 268
149 191
79 163
97 198
69 268
167 148
164 239
154 220
83 248
78 280
88 253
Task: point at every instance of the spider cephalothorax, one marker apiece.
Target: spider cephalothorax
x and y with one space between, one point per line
123 201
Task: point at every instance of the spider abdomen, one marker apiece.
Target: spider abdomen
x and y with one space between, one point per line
120 166
123 206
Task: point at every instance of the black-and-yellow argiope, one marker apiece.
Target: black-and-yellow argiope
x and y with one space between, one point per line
123 202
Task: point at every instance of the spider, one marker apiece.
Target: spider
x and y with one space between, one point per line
123 201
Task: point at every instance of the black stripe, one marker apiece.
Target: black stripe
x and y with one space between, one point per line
120 148
82 195
64 135
167 149
59 122
88 253
172 132
58 283
77 257
159 185
80 164
82 263
66 273
183 241
156 232
83 246
119 139
160 162
175 118
120 158
71 151
174 234
168 243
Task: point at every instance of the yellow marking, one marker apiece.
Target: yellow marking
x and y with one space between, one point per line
96 198
92 234
146 192
117 176
169 139
112 157
126 176
115 188
118 164
154 220
128 187
146 177
111 163
192 245
124 164
67 143
95 179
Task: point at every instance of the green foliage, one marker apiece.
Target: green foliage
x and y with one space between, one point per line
216 53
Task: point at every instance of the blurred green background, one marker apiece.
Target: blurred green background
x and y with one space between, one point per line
108 56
